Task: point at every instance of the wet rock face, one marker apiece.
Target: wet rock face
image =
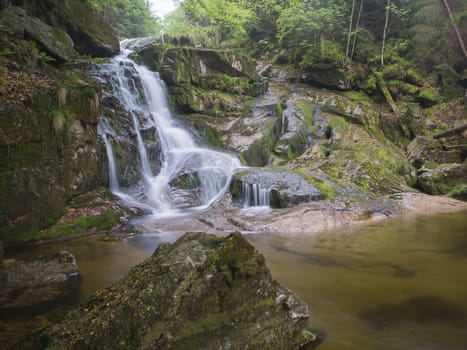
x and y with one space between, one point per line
201 292
38 283
287 188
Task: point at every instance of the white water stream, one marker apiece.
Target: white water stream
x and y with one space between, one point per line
179 154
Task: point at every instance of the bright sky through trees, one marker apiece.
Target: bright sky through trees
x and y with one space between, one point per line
163 7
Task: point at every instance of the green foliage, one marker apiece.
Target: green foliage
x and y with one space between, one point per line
82 224
229 19
131 18
59 120
459 192
327 52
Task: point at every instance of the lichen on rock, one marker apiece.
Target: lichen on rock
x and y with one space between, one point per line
201 292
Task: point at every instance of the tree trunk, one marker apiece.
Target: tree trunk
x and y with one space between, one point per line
360 12
456 28
385 32
451 132
322 44
347 49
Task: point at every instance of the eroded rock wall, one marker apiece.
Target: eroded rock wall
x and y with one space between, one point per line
48 153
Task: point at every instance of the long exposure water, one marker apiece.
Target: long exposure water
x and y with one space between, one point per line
179 153
397 284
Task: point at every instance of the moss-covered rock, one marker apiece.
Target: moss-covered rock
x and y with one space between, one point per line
441 169
198 66
38 283
48 153
212 82
91 34
428 98
202 292
443 179
327 75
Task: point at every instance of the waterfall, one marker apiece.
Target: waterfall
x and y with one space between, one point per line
283 123
255 196
144 96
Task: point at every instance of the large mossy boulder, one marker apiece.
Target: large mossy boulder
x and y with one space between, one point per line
327 75
441 165
39 283
201 292
91 34
55 42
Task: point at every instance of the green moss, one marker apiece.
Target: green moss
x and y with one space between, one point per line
428 98
371 83
459 192
403 88
88 92
236 185
321 185
192 329
237 258
59 120
226 83
21 155
260 150
80 225
305 107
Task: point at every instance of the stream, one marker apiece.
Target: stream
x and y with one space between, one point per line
396 284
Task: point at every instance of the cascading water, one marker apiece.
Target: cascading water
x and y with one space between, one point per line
143 94
255 196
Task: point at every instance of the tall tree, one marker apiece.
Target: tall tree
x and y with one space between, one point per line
456 29
360 12
385 31
349 34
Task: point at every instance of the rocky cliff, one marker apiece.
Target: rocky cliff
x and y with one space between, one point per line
49 110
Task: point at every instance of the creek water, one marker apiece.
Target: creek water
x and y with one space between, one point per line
400 284
397 284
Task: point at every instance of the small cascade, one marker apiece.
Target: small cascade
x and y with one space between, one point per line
144 96
284 123
113 179
255 196
286 117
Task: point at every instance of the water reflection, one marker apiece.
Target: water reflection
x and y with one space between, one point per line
399 284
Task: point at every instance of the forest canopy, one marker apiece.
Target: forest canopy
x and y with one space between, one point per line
336 32
130 18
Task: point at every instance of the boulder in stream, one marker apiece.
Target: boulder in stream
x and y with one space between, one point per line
39 283
201 292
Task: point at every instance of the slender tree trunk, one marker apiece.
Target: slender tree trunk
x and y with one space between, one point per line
360 12
322 44
456 28
385 32
347 49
